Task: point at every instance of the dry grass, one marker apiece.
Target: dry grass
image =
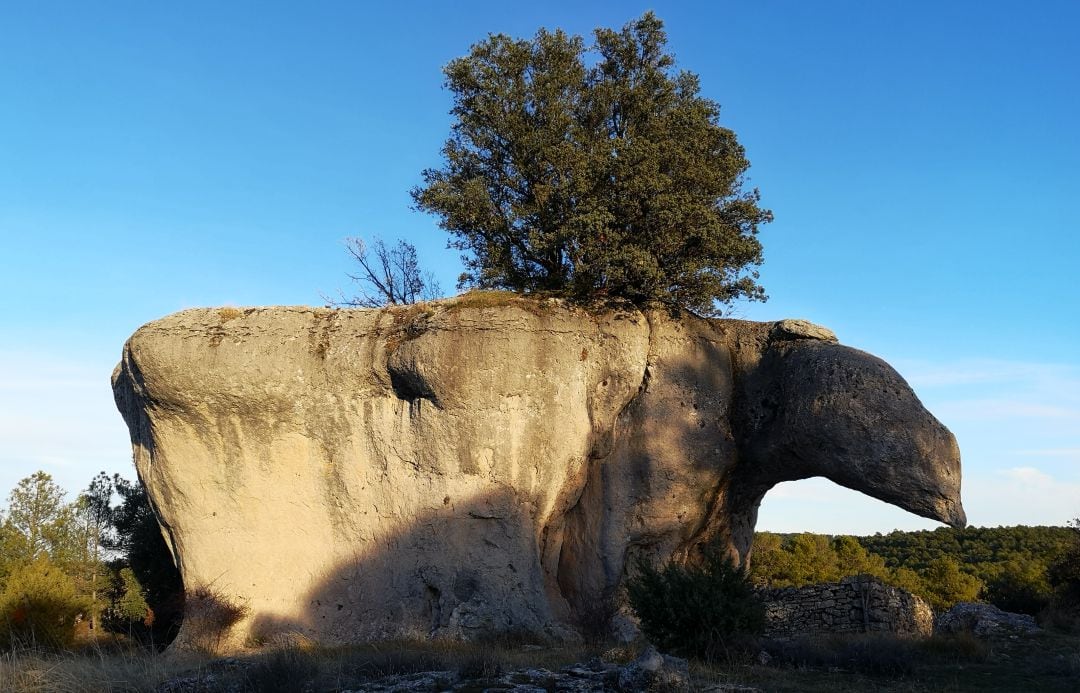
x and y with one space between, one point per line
208 619
883 663
537 304
286 668
229 313
93 670
409 322
1046 662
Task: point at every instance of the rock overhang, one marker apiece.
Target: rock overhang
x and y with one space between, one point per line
536 446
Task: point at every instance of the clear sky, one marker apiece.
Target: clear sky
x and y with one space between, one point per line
922 160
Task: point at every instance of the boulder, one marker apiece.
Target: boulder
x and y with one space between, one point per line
653 671
490 463
984 620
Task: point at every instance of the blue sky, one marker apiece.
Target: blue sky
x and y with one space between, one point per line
921 159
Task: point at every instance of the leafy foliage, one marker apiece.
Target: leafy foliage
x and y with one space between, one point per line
39 605
704 610
1063 575
1022 586
1012 562
807 559
945 584
595 171
35 517
138 539
128 612
110 563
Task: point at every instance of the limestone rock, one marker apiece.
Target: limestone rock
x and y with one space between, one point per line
650 672
490 464
653 671
802 329
985 620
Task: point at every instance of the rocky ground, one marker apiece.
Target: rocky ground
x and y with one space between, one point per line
976 648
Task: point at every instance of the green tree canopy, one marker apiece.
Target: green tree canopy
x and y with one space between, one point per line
947 584
136 535
1064 573
39 605
36 516
596 171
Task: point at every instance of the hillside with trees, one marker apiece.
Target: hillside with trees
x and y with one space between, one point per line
1021 569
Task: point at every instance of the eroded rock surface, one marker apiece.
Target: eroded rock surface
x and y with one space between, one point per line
491 464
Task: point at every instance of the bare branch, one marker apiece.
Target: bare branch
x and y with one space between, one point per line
388 276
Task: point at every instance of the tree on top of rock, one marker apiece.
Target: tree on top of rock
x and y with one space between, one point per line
613 179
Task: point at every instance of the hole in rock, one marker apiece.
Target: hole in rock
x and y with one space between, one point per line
818 505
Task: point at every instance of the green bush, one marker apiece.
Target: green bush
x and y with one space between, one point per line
706 610
127 613
39 606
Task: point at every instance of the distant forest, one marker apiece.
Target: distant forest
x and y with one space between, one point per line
1010 567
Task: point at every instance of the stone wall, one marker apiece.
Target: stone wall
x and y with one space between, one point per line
857 604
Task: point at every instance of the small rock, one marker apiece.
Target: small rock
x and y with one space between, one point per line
801 329
653 671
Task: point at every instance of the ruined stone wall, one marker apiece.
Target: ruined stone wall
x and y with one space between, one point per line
857 604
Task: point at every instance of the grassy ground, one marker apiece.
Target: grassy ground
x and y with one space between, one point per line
291 668
1044 662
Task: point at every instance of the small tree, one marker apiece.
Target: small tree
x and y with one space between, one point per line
36 513
853 559
598 171
88 531
136 535
389 275
945 584
128 611
705 610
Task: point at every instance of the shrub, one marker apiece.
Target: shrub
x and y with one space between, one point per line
704 610
128 613
208 619
39 606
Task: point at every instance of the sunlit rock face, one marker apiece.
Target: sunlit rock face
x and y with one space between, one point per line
491 464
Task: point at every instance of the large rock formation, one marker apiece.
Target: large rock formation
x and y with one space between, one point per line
491 463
